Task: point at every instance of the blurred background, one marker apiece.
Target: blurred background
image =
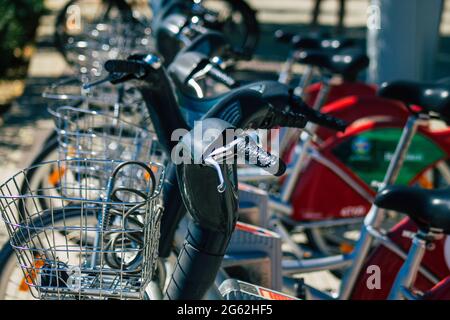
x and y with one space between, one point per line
29 62
407 39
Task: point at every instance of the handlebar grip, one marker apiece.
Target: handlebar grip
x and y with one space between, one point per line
260 157
325 120
289 119
125 66
318 117
328 121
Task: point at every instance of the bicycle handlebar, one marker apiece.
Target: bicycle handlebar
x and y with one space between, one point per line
134 67
256 155
325 120
213 221
285 118
318 117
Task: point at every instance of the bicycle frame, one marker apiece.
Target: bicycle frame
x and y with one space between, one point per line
288 136
401 288
369 232
351 107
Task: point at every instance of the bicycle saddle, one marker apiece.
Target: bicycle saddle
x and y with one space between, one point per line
431 97
313 41
347 63
428 208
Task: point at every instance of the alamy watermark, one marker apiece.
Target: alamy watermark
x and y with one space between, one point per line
373 281
73 20
373 21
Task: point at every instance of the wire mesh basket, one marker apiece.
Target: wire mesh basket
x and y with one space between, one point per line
98 42
120 101
85 134
83 240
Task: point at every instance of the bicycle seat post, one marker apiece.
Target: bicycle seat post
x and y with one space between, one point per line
401 150
323 92
305 81
375 216
406 277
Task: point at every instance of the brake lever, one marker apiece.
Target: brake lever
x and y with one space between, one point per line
210 162
249 150
112 77
123 79
220 155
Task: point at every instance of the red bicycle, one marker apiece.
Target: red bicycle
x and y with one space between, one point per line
351 162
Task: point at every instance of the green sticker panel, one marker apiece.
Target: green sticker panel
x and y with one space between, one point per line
368 154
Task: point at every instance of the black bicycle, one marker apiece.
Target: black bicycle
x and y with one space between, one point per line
81 21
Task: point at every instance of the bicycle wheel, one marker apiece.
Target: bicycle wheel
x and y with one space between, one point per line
37 176
237 20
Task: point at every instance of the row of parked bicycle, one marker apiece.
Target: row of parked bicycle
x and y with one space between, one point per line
108 211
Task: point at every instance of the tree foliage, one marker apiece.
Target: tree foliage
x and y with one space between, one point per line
19 20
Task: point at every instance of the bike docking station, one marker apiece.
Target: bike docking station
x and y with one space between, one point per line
259 250
191 167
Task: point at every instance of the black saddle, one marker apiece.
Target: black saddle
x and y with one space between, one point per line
431 97
347 63
428 208
312 41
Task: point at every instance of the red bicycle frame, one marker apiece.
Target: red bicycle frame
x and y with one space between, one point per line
315 200
338 91
389 263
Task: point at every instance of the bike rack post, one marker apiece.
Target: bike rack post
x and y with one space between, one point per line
402 39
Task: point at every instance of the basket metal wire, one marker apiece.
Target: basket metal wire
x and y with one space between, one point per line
83 240
90 134
98 42
120 101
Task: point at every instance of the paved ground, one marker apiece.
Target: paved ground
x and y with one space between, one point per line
24 128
